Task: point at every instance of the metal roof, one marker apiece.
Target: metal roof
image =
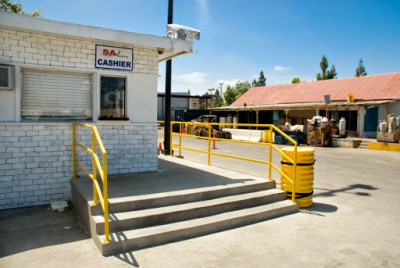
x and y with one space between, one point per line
366 88
291 106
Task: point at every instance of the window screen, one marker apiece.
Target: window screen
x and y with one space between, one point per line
47 94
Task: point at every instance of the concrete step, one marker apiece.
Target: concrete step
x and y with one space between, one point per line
167 214
363 145
160 234
184 196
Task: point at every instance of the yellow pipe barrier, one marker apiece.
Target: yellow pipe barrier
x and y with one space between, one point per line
270 129
96 167
209 146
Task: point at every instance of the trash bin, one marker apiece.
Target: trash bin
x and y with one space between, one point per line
305 175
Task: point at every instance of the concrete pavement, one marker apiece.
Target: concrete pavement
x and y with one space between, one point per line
353 223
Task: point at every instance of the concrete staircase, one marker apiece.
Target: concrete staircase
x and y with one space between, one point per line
148 220
363 144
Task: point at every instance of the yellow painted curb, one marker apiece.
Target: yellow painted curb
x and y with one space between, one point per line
383 146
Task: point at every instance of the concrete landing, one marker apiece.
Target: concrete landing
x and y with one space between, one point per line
174 174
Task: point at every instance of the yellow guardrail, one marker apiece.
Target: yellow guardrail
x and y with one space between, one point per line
269 128
96 167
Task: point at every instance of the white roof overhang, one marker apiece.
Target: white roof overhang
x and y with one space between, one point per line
167 48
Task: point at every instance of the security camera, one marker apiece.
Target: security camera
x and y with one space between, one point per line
176 31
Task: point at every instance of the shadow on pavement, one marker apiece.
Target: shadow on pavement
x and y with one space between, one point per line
318 208
29 228
330 192
128 258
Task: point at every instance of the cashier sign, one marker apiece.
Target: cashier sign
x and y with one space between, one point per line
114 58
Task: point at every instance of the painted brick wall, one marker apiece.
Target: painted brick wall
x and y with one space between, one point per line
17 46
36 159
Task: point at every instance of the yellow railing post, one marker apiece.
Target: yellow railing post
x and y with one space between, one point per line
209 145
99 195
171 136
73 151
180 139
270 152
95 200
107 237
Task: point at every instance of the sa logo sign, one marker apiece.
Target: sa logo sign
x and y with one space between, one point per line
111 52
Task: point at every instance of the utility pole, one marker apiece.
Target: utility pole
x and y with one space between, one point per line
222 95
168 74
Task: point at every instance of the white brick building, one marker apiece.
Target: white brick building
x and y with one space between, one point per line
54 73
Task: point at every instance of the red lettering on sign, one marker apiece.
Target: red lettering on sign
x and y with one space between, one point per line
112 53
105 52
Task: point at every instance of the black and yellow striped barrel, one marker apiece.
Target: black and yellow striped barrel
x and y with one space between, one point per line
305 175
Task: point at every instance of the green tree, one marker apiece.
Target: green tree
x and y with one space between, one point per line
233 93
261 80
218 101
360 71
296 80
230 95
326 74
5 5
332 73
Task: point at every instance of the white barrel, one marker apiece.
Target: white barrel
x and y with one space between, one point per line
392 123
382 126
229 120
222 120
342 126
235 121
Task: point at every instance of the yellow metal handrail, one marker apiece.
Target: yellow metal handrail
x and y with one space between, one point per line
97 167
270 128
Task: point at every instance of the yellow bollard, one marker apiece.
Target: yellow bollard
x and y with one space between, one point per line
305 175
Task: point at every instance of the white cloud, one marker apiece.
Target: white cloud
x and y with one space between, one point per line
190 78
279 68
231 82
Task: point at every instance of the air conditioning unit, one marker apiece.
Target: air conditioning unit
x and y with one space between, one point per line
5 77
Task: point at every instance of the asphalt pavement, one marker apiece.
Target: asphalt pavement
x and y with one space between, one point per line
354 222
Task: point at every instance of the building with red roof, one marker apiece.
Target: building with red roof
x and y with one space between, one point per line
362 101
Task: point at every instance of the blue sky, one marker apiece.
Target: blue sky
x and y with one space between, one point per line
285 38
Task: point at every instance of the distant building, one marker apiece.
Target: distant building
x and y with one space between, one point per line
362 101
182 101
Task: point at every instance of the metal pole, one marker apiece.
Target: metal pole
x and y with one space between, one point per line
74 151
222 95
209 145
270 131
168 72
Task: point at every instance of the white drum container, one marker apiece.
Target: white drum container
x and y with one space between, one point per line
382 126
235 121
392 123
222 120
342 126
229 120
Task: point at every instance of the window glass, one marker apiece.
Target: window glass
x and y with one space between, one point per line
112 104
